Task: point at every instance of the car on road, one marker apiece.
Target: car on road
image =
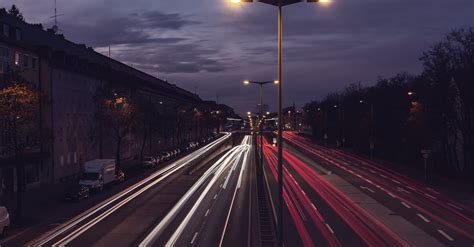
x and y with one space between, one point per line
76 193
4 221
149 162
119 176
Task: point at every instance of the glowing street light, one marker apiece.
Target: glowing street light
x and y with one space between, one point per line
280 4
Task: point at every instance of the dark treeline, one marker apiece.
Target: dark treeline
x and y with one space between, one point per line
400 116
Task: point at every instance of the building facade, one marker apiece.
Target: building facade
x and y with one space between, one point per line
68 75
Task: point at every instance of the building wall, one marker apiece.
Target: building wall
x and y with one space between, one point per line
73 122
21 61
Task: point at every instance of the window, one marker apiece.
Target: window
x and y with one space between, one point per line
34 63
68 158
4 52
24 60
75 157
18 34
17 58
32 173
61 160
6 30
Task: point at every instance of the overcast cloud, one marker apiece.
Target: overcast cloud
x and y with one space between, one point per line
209 46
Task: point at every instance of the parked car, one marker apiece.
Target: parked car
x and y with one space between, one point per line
4 221
98 173
76 193
184 148
159 158
119 176
149 161
165 156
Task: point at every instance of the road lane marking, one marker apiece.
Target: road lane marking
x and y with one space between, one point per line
406 205
383 176
430 196
445 235
454 206
366 188
411 188
246 153
390 194
207 213
159 228
329 227
423 218
194 238
315 209
170 168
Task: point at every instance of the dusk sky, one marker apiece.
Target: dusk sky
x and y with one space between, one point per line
210 46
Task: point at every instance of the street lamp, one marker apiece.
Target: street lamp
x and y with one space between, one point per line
280 4
260 83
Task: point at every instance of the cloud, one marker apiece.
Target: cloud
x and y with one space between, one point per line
214 46
135 28
169 58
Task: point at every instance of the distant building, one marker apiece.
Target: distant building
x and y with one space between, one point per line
68 74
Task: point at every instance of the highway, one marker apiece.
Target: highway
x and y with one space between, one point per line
446 220
216 210
121 219
320 213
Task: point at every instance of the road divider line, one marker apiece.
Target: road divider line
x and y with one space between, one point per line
329 227
445 235
406 205
194 238
423 218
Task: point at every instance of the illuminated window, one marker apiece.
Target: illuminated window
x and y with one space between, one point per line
17 58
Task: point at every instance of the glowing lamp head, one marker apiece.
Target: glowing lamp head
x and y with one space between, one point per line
276 81
246 82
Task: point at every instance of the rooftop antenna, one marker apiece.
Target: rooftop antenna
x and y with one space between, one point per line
55 16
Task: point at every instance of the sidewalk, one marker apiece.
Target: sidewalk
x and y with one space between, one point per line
44 204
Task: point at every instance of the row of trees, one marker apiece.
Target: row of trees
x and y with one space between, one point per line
400 116
123 113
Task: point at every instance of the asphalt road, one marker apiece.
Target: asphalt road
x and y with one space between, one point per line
123 218
217 210
446 220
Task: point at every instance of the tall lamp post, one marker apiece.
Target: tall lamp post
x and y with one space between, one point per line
260 83
280 4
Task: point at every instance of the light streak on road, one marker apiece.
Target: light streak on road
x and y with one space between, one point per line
83 221
296 200
214 173
439 208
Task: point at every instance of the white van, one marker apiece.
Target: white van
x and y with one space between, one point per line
98 173
4 220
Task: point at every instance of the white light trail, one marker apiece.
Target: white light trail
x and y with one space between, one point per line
216 169
162 173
